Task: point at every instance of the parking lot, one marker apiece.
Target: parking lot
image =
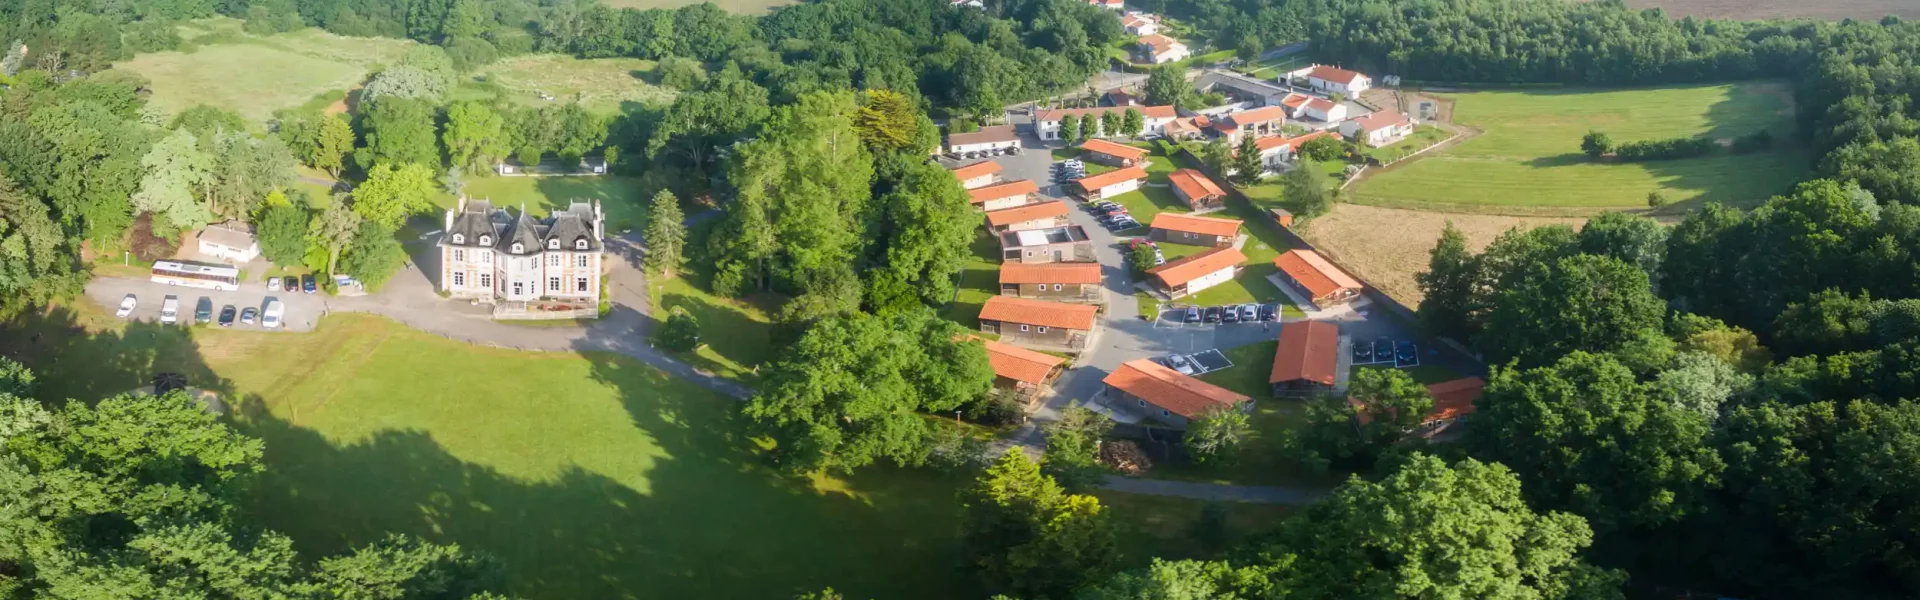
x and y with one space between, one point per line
1208 316
1401 354
302 310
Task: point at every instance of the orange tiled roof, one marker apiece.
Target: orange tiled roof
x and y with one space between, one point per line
1258 115
1335 74
1015 273
1168 389
976 169
1308 350
1226 228
1382 119
1292 144
1194 184
1020 364
1007 189
1198 265
1313 272
1008 309
1159 43
1021 214
1108 178
1114 149
1454 399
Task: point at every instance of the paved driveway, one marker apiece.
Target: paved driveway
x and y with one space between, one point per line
303 310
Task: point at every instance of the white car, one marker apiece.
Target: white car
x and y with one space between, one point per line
270 318
126 306
170 310
273 284
1181 364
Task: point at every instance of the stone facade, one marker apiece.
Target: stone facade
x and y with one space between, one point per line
495 255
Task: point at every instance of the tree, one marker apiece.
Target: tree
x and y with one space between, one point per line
1133 122
1307 190
1213 436
474 136
1381 406
37 260
244 170
332 140
206 121
1025 535
1073 447
1217 156
681 73
845 394
1431 531
373 255
282 231
1167 85
681 332
1596 144
1323 149
333 229
1177 580
1447 286
888 121
1143 258
1246 165
390 195
1637 240
1587 436
1070 128
175 168
402 567
920 237
666 234
1584 302
1109 124
399 131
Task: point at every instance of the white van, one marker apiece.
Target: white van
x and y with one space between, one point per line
270 318
170 310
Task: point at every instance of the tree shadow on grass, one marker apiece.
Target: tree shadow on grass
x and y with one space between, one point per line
72 363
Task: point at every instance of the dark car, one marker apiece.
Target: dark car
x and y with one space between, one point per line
307 284
292 284
226 315
1230 314
1362 351
1193 314
1403 352
203 310
1269 312
1383 349
249 314
1212 315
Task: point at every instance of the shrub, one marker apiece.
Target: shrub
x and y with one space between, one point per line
1655 199
1323 149
1753 142
1667 149
1596 144
682 331
1141 258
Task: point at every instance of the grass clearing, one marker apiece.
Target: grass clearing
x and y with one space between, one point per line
1528 158
602 84
979 280
257 75
1386 246
589 475
622 197
1158 526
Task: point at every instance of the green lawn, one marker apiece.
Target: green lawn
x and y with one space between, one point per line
1265 242
1158 526
1272 67
1262 460
979 280
257 75
622 197
602 84
1422 137
590 476
1529 154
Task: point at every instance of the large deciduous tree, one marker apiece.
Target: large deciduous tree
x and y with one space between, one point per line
1025 535
373 256
37 261
474 136
1167 84
175 170
1447 287
846 394
1580 303
282 231
399 131
390 194
918 238
333 229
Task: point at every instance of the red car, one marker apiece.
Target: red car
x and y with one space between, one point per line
1138 242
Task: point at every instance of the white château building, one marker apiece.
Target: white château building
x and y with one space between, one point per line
494 255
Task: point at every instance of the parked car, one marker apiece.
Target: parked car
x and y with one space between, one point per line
308 285
1013 150
1403 352
249 314
270 318
1138 242
1158 258
1213 314
1181 364
292 283
1383 349
1269 312
1229 314
203 310
126 306
170 310
273 284
1362 351
1249 312
1125 224
1193 314
227 313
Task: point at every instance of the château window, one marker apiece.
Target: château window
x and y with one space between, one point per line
553 284
460 279
553 260
459 255
553 244
486 241
581 285
486 256
580 244
486 280
580 260
517 248
459 239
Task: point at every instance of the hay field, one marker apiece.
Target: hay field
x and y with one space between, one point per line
1387 246
1527 159
602 84
257 75
1776 9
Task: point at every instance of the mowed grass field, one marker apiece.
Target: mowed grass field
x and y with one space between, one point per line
1777 9
602 84
1527 157
257 75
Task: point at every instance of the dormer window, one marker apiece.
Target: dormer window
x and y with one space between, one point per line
459 239
580 244
486 240
517 248
553 244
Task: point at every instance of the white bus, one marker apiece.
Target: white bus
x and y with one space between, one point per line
200 275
